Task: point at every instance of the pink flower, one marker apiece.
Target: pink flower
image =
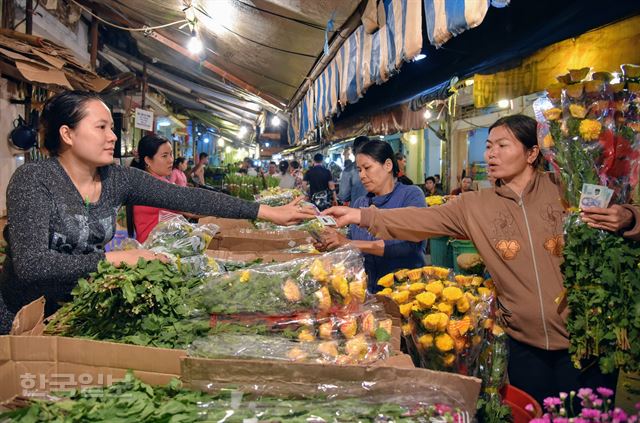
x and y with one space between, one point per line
551 402
597 402
540 420
563 396
605 392
529 408
443 409
580 420
619 414
561 420
584 392
590 413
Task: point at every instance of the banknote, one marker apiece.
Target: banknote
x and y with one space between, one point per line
595 196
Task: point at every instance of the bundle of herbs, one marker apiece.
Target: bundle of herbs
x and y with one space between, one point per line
132 401
141 304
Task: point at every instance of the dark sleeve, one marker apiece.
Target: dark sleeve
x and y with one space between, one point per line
29 205
145 190
305 177
395 248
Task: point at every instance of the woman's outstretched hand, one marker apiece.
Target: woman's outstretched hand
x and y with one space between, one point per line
292 213
615 218
344 215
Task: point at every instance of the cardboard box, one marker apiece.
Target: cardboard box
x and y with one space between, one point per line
249 256
308 380
32 365
225 224
258 240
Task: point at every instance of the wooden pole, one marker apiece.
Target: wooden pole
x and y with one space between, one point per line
8 13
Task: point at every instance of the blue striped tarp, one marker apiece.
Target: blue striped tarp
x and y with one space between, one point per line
448 18
363 60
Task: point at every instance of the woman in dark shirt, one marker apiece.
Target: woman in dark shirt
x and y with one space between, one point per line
62 211
378 171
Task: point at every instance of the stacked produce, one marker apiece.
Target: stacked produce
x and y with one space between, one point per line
131 400
143 304
276 196
590 133
246 187
318 301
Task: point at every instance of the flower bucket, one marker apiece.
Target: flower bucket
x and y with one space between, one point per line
517 400
460 246
441 252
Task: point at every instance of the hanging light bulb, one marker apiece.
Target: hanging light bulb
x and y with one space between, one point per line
504 103
242 131
413 139
275 121
195 44
220 142
428 114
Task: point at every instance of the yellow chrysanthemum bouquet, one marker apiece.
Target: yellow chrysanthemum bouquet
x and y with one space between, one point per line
446 318
589 132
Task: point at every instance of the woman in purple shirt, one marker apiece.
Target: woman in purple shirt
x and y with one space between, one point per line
378 171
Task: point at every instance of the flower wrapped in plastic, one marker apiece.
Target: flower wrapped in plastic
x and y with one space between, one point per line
589 133
176 236
446 317
330 281
277 196
359 349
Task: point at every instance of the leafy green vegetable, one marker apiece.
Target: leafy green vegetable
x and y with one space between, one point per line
602 280
132 401
141 304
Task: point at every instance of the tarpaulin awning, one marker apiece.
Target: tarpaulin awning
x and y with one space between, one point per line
604 49
363 60
448 18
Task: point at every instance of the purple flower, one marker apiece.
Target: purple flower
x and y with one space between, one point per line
605 392
561 420
584 392
580 420
597 402
590 413
638 406
550 402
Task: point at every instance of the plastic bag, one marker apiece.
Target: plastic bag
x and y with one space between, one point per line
327 282
175 235
277 196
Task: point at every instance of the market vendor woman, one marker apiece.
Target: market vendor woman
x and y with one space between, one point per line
62 211
514 226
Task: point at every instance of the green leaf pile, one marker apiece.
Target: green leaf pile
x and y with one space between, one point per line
141 304
602 279
132 401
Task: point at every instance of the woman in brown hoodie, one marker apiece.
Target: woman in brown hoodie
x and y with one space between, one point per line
517 228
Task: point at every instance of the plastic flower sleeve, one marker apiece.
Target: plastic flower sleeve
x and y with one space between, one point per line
277 196
445 318
175 235
330 281
357 350
398 408
296 380
587 134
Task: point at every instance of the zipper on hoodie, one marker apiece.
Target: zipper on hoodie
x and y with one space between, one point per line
535 268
